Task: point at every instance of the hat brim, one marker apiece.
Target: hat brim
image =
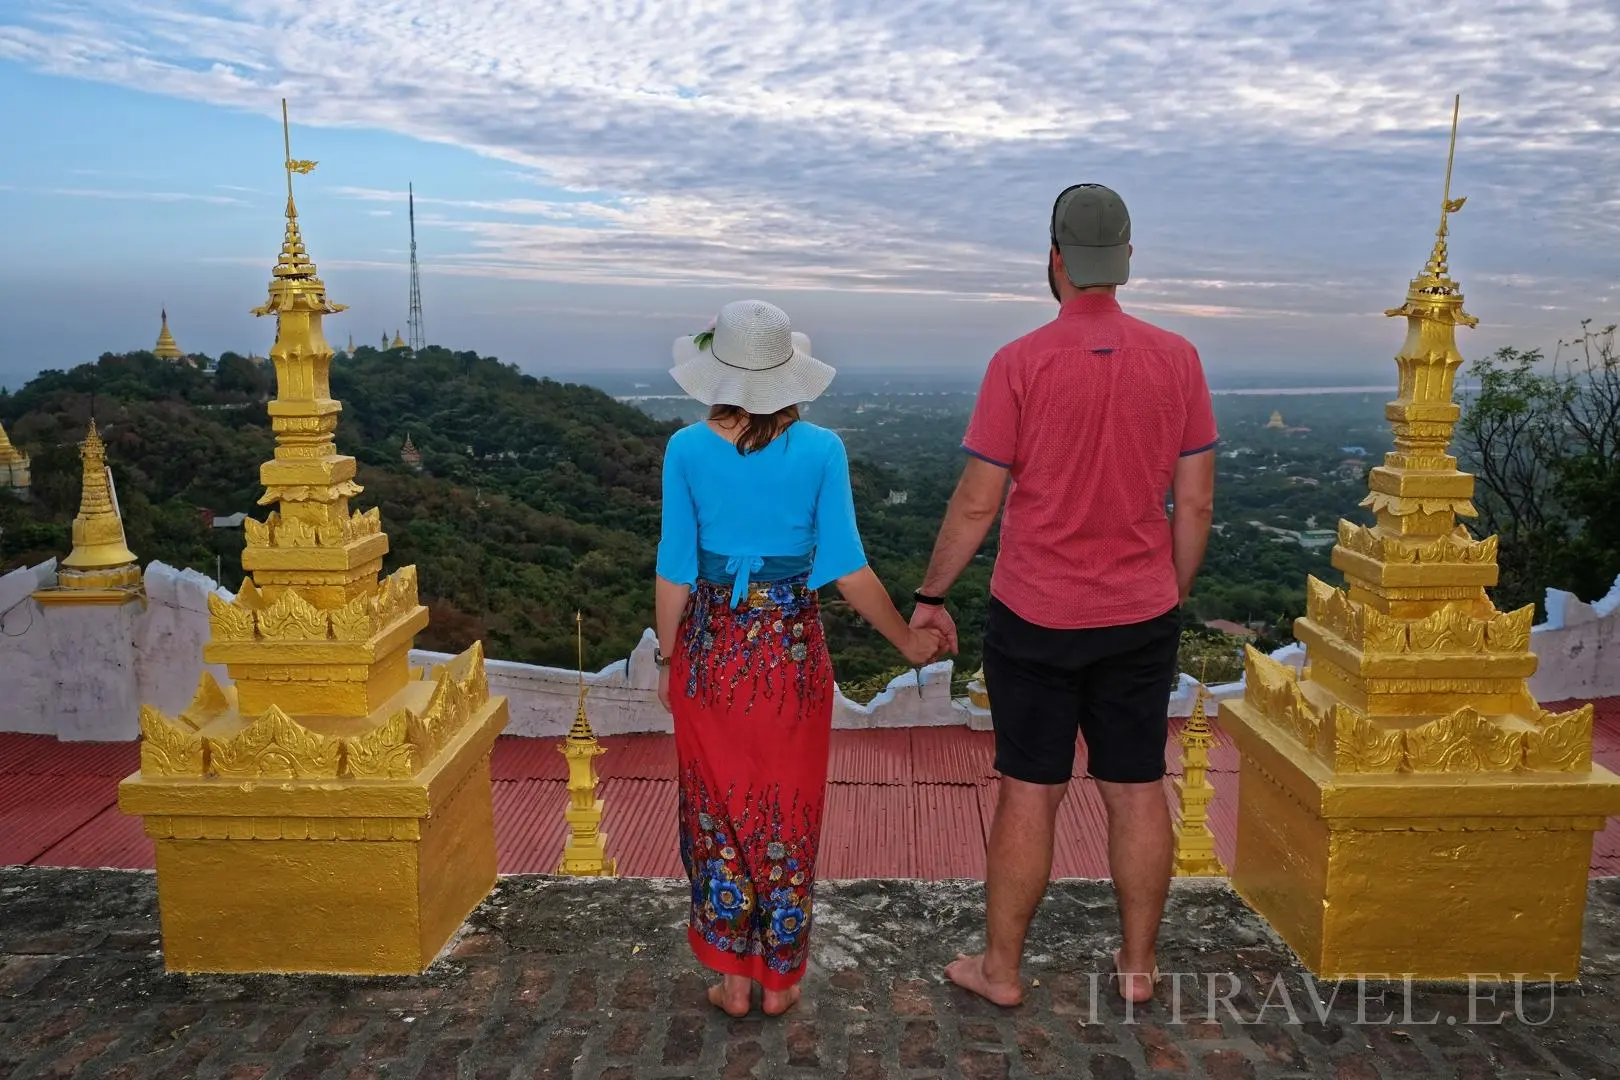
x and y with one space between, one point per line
1087 266
802 378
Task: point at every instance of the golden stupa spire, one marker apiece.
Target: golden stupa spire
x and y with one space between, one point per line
1392 787
398 342
14 466
585 854
1194 843
166 349
100 558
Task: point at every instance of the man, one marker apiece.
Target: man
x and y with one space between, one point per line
1095 418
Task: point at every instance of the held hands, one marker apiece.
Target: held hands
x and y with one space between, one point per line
934 617
922 646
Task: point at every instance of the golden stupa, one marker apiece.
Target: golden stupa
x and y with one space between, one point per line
166 349
14 467
100 568
398 342
329 810
1405 805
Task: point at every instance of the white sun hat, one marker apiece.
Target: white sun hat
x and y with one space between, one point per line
751 359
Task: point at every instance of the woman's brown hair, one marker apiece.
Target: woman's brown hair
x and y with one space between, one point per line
759 429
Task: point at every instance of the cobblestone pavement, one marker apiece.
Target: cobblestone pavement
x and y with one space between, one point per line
593 980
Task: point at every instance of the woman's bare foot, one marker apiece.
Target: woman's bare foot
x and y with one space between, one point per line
1134 986
778 1002
968 973
732 994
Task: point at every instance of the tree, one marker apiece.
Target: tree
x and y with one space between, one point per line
1543 440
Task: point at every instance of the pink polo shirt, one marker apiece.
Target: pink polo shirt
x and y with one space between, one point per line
1089 413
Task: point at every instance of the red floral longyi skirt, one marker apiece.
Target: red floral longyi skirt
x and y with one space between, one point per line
752 695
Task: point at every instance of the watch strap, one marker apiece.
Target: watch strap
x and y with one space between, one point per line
928 601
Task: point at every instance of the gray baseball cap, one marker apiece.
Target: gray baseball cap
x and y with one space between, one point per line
1092 230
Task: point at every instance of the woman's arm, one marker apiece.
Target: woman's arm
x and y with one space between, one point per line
669 603
871 602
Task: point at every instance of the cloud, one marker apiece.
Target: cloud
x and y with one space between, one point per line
1281 159
145 196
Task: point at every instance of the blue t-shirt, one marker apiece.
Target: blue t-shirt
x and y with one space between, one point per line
782 512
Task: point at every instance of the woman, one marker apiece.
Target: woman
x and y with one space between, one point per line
758 515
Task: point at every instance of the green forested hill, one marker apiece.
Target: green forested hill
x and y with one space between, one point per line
536 498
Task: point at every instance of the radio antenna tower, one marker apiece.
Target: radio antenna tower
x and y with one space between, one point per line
414 319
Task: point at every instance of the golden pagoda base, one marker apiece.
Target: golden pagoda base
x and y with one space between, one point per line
1432 876
339 875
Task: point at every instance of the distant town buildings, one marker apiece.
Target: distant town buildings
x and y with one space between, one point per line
1230 628
1310 539
14 465
897 498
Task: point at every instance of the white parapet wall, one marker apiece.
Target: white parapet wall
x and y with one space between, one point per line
1578 647
161 638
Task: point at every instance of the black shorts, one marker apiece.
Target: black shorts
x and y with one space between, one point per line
1111 684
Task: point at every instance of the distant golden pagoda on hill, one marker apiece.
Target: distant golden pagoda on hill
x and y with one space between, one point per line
329 809
166 349
1405 805
398 342
1276 420
14 468
409 454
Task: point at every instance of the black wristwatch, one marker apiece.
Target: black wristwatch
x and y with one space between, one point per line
928 601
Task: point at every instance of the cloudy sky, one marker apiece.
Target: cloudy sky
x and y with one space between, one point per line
596 176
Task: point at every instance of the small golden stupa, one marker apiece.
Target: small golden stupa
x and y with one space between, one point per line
100 568
1276 421
166 349
1406 806
585 853
398 342
409 454
14 467
328 810
1195 844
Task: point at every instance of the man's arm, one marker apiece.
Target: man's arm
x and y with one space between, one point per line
1193 493
967 522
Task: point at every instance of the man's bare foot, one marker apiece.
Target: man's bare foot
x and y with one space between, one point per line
778 1002
731 995
968 973
1134 986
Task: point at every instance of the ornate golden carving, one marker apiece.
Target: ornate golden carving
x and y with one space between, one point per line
1273 689
1448 630
209 702
1463 741
1402 506
1510 632
229 620
1457 547
292 618
384 753
1562 742
368 523
258 533
332 534
1360 747
324 493
167 749
275 746
292 533
397 595
355 621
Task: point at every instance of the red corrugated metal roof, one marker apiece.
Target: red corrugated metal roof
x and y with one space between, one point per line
912 802
870 756
950 829
868 830
529 825
52 758
951 755
527 759
110 840
638 757
640 819
29 829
